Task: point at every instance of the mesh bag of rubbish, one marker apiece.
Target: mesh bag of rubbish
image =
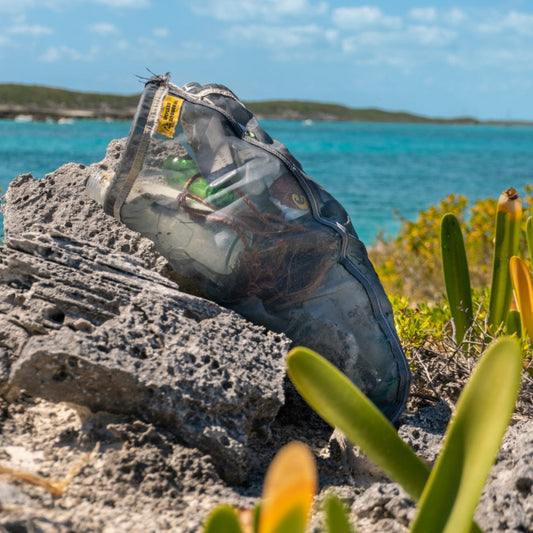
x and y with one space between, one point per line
243 225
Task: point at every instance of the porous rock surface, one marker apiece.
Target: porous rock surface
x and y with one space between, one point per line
112 336
169 403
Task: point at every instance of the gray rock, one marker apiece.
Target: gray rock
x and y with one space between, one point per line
384 507
97 329
507 501
59 202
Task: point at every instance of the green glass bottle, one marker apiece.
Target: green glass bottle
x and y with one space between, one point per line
177 171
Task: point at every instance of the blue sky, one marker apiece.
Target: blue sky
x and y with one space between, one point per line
434 58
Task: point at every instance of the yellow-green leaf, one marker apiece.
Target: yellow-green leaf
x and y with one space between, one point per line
340 403
336 516
456 275
471 442
506 241
289 488
523 288
223 519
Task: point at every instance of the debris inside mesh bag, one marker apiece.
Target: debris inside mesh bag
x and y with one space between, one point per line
243 225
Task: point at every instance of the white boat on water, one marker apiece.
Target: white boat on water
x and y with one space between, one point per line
65 120
23 118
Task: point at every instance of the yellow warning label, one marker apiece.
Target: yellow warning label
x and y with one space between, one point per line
170 114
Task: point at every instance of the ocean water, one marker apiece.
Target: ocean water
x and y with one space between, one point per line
379 172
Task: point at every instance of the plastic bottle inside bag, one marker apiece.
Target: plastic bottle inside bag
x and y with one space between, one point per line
157 209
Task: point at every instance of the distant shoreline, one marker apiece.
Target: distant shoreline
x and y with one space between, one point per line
35 114
37 103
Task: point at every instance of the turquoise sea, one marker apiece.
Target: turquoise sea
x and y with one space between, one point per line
375 170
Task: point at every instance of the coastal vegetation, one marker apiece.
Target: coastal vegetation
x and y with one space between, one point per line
39 101
48 97
302 110
410 266
43 102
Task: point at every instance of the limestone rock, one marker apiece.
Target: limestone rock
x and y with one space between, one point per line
82 325
59 202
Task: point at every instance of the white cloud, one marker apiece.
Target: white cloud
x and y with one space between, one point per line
376 49
51 55
264 10
355 18
277 37
10 6
4 41
455 16
161 33
104 28
20 6
32 30
431 35
513 21
399 41
59 53
520 22
129 4
425 14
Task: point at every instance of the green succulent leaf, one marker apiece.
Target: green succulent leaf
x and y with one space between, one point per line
529 237
506 241
523 289
456 275
336 516
295 521
513 324
472 440
222 519
340 403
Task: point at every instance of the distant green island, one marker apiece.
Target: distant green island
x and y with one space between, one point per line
42 103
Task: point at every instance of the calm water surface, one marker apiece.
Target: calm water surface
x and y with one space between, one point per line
375 170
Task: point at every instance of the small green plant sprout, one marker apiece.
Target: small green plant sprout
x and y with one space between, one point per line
523 290
223 519
336 517
456 275
506 242
449 494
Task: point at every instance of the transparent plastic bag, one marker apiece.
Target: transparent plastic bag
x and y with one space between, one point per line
242 224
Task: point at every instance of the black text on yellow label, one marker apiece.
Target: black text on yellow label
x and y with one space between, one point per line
170 114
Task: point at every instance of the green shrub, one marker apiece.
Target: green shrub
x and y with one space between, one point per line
409 264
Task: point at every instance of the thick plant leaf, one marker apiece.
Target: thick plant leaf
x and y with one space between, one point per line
472 441
523 288
340 403
289 488
506 241
222 519
513 325
336 516
529 237
456 275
